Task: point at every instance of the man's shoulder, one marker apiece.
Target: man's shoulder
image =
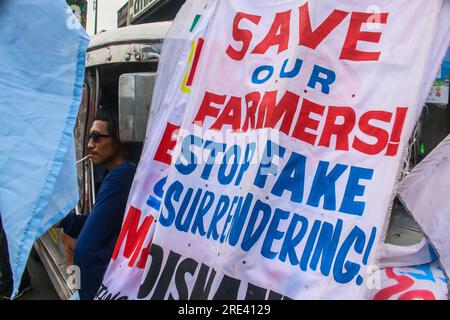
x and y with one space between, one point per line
125 170
127 166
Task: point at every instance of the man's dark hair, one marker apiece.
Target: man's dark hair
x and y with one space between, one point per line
108 115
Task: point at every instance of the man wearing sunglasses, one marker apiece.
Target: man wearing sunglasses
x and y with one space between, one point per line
96 234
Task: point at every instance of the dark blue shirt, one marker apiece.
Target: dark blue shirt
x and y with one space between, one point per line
97 232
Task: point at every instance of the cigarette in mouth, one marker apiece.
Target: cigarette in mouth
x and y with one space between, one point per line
81 160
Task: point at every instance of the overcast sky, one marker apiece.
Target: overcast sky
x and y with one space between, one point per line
107 15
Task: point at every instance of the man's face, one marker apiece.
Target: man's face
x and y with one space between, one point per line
101 150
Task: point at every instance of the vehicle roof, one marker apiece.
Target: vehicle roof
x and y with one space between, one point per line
134 33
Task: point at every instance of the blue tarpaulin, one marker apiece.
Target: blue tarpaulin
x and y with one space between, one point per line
42 56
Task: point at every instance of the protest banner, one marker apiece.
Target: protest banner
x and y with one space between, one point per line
419 253
179 54
408 273
421 282
424 193
42 54
288 154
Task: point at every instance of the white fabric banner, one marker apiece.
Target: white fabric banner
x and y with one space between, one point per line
288 153
404 256
424 192
292 144
421 282
408 273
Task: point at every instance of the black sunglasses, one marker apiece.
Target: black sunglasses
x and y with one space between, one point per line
95 136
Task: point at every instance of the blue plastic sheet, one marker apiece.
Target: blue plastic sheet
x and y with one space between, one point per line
42 56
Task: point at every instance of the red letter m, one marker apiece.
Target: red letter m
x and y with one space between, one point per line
135 236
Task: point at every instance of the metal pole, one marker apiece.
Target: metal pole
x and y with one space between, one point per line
96 11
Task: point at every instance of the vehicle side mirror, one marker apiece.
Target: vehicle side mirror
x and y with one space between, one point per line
135 98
